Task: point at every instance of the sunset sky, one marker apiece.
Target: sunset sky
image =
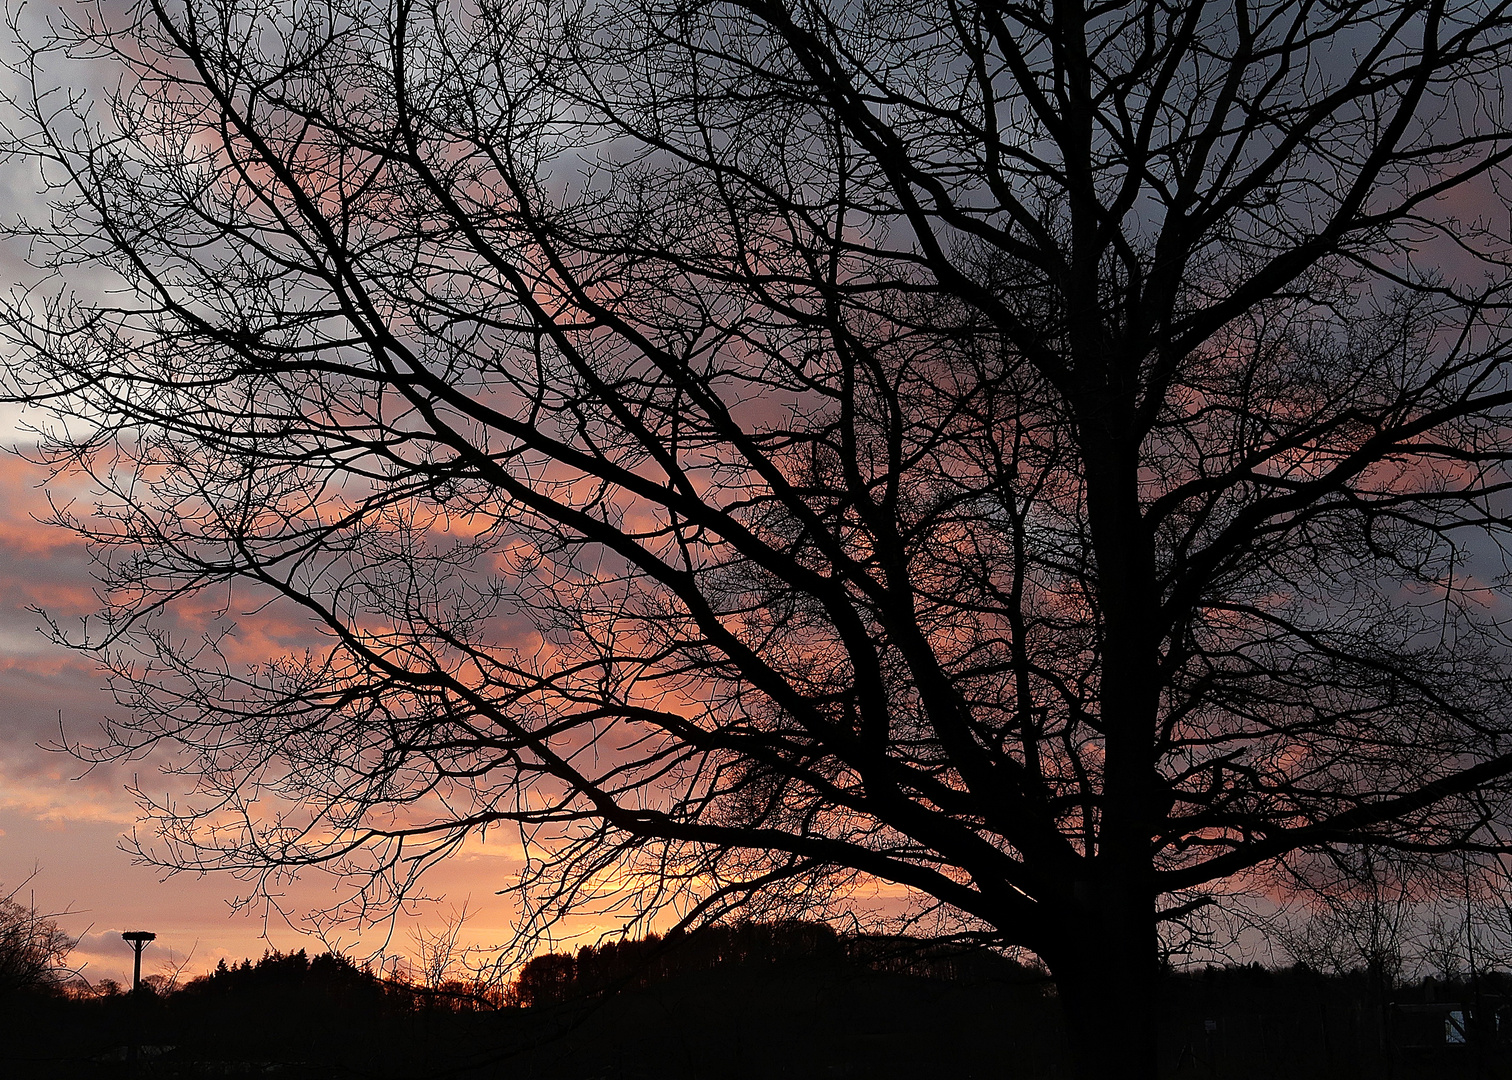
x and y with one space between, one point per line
63 824
68 824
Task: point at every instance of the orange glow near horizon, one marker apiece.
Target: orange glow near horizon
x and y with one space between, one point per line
61 825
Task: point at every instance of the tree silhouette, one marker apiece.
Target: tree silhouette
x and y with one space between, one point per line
1047 456
618 964
34 950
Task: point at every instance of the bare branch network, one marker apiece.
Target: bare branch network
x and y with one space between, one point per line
1048 456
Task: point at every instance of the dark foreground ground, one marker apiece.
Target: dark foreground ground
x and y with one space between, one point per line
784 1020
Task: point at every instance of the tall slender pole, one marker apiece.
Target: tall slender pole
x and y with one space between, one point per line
138 940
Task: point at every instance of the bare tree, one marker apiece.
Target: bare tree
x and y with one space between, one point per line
34 950
438 955
1050 456
1361 918
172 968
1361 921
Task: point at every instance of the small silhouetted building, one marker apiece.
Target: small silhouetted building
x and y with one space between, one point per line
1439 1024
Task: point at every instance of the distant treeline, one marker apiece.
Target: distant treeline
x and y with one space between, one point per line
593 970
632 964
893 1007
328 975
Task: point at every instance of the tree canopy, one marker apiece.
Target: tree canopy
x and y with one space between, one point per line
1048 456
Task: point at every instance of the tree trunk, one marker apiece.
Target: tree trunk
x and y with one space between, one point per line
1107 976
1110 1003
